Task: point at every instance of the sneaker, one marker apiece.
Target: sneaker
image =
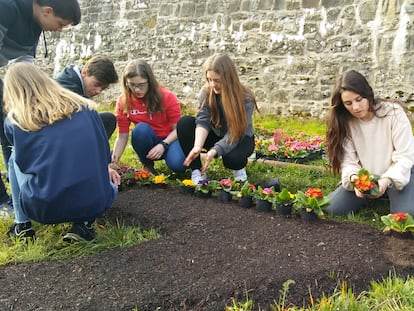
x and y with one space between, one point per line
80 232
6 209
240 175
196 176
21 230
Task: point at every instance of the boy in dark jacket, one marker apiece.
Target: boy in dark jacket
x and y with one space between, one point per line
21 23
91 80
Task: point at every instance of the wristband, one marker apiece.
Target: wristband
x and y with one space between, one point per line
165 145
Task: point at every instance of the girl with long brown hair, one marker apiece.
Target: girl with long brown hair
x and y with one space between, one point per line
223 124
371 133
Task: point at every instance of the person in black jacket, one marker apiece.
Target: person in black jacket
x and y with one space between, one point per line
21 23
91 80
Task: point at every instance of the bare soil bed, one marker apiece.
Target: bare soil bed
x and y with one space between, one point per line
209 252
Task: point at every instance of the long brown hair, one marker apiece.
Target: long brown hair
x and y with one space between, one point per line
339 116
233 95
153 97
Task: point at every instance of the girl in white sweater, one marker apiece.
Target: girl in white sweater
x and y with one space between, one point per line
375 134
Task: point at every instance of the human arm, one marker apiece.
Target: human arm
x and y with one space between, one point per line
158 150
402 156
200 138
172 112
119 147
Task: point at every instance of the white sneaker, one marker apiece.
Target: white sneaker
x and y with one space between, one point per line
240 175
196 176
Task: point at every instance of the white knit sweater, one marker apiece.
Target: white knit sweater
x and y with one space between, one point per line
383 145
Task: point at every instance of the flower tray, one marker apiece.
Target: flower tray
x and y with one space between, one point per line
311 156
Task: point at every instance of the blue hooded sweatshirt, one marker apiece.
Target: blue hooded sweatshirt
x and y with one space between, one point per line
68 161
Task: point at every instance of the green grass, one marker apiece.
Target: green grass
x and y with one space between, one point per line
392 293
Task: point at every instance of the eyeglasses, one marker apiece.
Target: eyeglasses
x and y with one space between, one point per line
135 86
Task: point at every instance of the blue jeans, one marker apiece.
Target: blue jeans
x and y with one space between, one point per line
343 202
143 139
17 180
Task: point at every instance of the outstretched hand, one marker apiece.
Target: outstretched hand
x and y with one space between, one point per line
209 157
194 153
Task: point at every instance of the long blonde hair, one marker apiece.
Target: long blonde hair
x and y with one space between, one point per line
33 100
233 95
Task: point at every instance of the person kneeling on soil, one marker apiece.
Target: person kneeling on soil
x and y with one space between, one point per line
373 134
58 168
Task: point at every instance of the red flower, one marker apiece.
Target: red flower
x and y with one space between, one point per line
399 216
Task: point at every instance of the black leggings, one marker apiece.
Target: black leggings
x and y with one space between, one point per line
235 159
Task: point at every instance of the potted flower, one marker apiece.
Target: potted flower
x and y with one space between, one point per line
226 189
187 186
366 183
160 180
284 202
143 177
264 198
311 203
245 194
399 224
127 174
206 187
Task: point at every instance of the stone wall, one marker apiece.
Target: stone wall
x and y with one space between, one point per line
288 51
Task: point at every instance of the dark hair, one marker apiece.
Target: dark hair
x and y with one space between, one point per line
153 97
339 116
102 69
66 9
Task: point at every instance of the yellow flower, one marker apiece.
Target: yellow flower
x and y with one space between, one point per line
188 183
159 179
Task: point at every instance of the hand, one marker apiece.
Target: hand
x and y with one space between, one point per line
211 154
156 152
114 166
114 176
194 153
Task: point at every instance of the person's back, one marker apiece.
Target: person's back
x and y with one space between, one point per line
21 23
57 173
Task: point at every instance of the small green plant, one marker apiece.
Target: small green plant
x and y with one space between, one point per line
312 200
284 197
266 194
399 222
247 190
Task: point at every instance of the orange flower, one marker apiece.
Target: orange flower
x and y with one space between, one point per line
142 175
314 193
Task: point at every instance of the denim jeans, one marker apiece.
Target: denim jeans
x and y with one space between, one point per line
143 139
17 179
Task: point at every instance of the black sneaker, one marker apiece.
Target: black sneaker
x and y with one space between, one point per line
22 230
80 232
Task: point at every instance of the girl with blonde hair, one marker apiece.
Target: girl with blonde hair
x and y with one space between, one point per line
58 168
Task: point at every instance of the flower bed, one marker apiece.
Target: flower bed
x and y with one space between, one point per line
278 146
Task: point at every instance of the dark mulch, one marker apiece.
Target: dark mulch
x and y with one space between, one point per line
208 253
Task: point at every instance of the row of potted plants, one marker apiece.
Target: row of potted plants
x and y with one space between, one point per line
310 204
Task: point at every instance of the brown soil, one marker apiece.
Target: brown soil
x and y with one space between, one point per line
209 252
